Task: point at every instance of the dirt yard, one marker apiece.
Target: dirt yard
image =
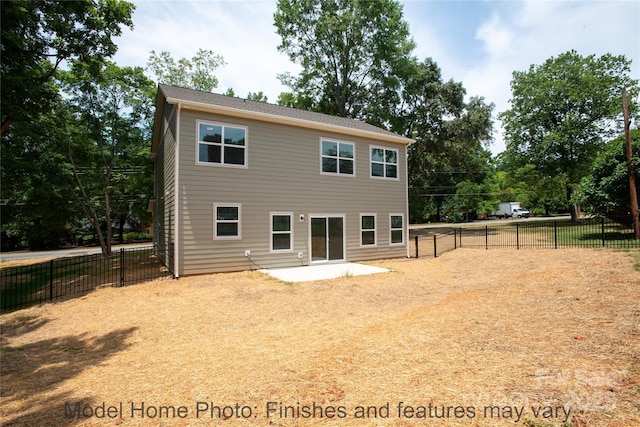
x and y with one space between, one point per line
473 338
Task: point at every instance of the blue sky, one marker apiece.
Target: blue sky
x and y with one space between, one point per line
479 43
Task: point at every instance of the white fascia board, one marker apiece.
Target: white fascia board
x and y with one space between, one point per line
310 124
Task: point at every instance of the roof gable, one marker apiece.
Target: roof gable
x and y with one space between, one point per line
207 101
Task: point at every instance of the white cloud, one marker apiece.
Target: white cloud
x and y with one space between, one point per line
498 40
477 43
520 34
241 32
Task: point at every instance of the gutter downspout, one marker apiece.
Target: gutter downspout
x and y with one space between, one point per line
176 203
406 198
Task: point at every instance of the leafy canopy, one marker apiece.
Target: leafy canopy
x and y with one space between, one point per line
348 50
38 36
195 73
452 136
103 128
563 110
606 189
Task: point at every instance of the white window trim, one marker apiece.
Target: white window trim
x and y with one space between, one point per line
222 164
396 229
271 232
215 221
384 163
375 230
338 141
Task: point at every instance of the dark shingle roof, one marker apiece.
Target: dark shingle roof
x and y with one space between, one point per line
269 112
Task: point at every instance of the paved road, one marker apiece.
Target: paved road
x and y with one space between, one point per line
487 222
59 253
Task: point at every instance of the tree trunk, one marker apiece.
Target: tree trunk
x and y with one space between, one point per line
106 249
85 201
633 196
574 209
122 221
5 125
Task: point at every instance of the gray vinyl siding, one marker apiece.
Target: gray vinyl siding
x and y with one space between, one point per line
282 175
164 215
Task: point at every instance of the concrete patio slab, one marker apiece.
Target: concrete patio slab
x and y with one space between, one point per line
322 272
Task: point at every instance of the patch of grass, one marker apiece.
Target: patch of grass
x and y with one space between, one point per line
270 278
636 264
584 233
635 256
22 286
347 273
34 283
19 348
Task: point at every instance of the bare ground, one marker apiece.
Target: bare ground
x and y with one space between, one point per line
473 338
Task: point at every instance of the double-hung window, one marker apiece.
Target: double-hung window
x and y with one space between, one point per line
222 144
384 163
281 231
227 221
337 157
367 230
396 227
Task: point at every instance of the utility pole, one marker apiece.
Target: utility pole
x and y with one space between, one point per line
632 179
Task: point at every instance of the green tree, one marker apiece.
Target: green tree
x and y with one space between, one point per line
36 210
605 190
562 110
540 192
195 73
104 129
258 96
288 99
349 50
468 198
452 138
37 36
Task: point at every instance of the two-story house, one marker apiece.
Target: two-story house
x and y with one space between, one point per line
240 184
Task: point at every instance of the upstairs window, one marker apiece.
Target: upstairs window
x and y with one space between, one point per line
337 157
222 144
384 163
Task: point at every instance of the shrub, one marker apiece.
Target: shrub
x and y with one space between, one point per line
137 237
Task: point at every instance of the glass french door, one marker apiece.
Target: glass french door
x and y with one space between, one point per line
327 238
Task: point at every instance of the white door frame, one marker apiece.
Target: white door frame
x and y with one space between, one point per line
344 240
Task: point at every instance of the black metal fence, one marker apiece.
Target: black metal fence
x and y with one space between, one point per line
60 278
585 233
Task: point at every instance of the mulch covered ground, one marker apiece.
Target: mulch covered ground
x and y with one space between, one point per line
472 338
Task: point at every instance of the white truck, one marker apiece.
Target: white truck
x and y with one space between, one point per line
511 209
